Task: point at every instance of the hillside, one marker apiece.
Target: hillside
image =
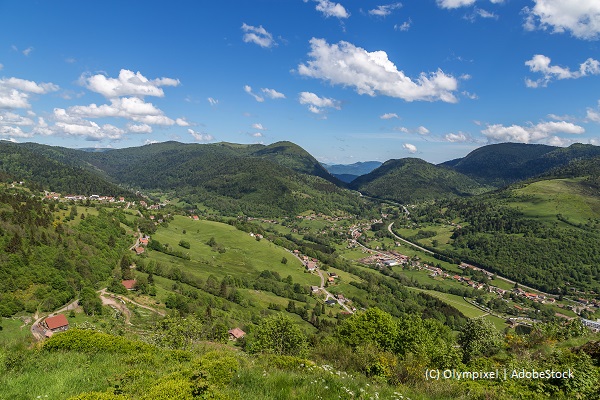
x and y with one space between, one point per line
412 180
294 157
505 163
20 163
280 179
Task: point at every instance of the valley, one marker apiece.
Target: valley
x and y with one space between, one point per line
180 245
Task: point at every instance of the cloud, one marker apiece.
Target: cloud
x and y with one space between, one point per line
529 133
373 73
389 116
259 36
421 130
258 98
540 63
10 118
1 67
411 148
404 26
272 93
27 51
132 108
139 128
200 137
88 129
579 17
461 3
316 104
149 141
480 13
260 127
127 84
593 115
456 137
384 11
15 92
257 135
213 102
13 131
331 9
70 60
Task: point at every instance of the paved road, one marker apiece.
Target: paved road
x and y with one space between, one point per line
498 276
407 242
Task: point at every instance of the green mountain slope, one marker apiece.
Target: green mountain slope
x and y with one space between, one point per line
501 164
411 180
280 179
294 157
20 163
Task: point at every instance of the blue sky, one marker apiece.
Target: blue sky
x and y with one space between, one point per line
348 80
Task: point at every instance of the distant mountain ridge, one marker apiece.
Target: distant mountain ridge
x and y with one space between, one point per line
358 168
505 163
410 180
279 179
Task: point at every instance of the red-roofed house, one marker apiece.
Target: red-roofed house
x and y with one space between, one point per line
139 250
57 323
144 241
236 333
129 284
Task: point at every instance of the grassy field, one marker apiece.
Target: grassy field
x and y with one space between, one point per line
243 254
467 309
558 196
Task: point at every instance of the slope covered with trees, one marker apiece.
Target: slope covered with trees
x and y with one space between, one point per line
505 163
412 180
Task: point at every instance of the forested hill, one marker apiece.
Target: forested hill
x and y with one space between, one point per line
19 163
411 180
290 155
257 180
505 163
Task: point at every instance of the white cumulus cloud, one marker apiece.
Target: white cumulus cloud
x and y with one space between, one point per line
212 101
372 73
127 84
389 116
200 137
11 118
258 126
316 104
139 128
411 148
579 17
331 9
540 63
456 137
257 35
530 133
15 92
594 114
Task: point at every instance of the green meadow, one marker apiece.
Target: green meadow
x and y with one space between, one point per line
545 199
243 255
